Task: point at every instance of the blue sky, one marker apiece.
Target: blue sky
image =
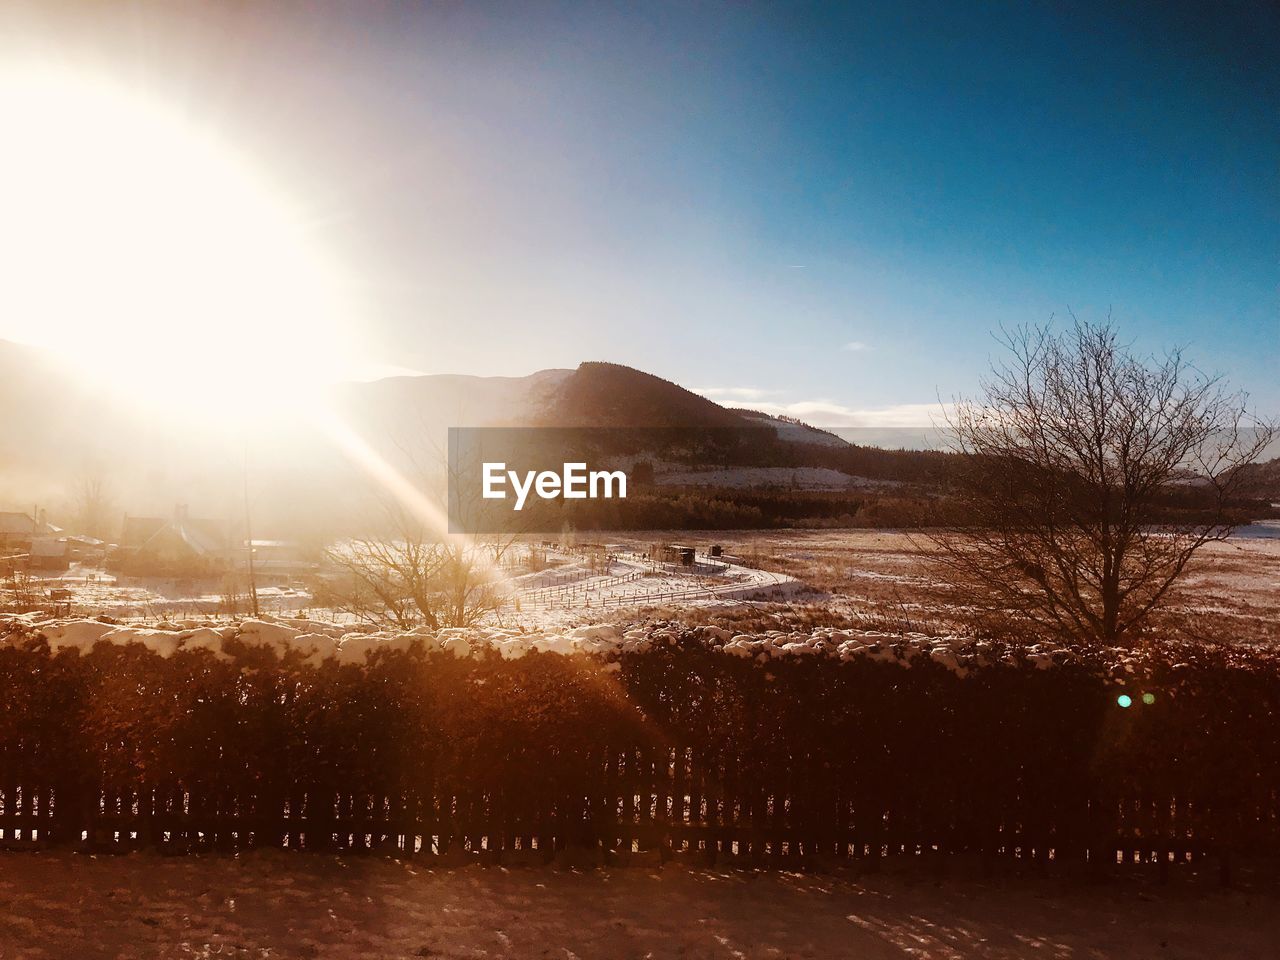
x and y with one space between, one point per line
823 209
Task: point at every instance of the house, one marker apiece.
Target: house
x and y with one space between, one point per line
180 546
49 553
18 531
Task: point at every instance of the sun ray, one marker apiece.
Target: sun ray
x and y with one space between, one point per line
157 258
422 507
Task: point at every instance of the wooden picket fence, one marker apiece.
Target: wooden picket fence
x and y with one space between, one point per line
664 802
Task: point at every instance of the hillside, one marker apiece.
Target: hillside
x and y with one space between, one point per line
791 430
1264 480
612 395
153 457
407 406
303 477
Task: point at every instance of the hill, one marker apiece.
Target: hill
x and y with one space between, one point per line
303 477
63 423
613 395
1263 480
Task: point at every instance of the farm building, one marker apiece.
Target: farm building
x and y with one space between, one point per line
679 554
18 532
180 546
49 553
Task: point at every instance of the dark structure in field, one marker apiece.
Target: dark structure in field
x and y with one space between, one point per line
679 554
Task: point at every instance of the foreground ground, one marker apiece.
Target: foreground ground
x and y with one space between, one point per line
281 905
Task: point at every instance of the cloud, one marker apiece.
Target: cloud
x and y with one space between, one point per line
828 414
856 346
734 393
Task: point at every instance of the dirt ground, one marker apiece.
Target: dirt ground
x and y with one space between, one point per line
312 906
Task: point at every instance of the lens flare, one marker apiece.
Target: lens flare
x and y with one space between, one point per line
141 246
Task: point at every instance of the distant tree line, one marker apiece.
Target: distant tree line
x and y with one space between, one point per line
911 506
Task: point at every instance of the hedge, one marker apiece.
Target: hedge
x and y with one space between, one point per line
673 747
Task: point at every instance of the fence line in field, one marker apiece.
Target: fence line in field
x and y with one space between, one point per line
703 587
566 594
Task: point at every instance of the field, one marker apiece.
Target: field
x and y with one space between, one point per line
290 906
569 586
878 579
881 579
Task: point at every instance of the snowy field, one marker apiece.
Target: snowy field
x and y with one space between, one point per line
95 590
572 593
879 578
569 592
872 579
268 905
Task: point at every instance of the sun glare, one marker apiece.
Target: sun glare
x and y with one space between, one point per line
138 245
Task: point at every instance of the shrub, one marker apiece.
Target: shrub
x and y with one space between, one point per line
669 743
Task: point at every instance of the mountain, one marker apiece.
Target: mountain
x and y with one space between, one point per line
437 402
612 395
318 472
593 395
1263 480
791 430
56 412
63 425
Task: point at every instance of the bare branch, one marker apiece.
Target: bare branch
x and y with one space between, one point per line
1091 478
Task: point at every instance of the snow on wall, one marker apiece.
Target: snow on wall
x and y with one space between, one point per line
319 641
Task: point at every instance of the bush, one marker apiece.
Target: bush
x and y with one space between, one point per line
675 745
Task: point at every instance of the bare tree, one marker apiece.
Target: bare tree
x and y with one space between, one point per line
1088 479
411 573
410 577
94 504
21 592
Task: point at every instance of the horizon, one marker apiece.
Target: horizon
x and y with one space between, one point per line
780 210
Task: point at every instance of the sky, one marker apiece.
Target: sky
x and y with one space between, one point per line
822 210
